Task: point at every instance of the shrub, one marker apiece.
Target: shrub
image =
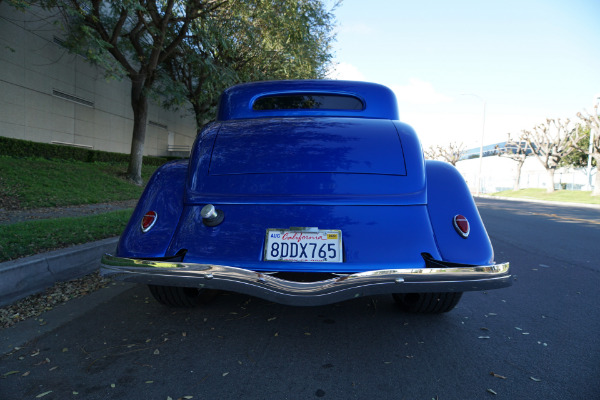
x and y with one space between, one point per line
25 148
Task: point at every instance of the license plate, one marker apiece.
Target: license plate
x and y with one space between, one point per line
303 245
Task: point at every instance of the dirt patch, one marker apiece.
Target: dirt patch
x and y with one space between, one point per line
34 305
9 215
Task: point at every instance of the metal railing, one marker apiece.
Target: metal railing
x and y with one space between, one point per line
175 147
83 146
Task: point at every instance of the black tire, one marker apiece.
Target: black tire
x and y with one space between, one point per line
174 296
427 303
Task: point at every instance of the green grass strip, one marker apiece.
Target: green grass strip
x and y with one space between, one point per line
33 183
569 196
32 237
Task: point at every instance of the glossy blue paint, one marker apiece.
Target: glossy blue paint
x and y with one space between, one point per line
307 145
360 171
447 196
374 237
236 102
307 161
164 195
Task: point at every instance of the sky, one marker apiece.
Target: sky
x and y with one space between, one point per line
526 60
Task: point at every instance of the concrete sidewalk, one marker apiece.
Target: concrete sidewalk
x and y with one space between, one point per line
30 275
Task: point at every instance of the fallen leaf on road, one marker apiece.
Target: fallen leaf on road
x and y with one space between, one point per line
43 394
483 337
497 376
492 392
535 379
10 373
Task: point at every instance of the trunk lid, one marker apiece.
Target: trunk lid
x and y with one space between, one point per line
302 160
305 145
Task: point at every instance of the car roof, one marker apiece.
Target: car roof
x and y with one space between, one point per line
238 102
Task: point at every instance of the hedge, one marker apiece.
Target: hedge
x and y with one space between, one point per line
24 148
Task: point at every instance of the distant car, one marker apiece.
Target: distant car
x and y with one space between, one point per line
308 193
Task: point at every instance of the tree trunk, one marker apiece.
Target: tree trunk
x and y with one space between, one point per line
518 175
198 114
139 104
201 112
596 191
550 188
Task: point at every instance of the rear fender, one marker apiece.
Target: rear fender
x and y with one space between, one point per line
447 196
164 195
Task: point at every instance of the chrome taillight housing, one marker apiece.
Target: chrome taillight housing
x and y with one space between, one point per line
148 221
461 224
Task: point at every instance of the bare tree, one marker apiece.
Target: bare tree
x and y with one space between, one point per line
517 150
592 123
452 152
550 142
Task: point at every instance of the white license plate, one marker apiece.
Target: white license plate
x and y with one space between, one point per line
303 245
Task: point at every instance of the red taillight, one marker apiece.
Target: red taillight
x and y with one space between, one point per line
149 220
461 224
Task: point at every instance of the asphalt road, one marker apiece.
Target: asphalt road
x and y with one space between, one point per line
535 340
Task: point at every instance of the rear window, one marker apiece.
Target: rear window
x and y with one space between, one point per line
308 102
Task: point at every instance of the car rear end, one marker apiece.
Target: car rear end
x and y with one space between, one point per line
308 206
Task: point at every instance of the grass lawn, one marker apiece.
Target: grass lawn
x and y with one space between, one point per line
569 196
33 183
37 183
32 237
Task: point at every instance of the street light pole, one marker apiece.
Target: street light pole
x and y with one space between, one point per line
591 146
478 190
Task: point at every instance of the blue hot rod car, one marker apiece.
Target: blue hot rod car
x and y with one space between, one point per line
308 193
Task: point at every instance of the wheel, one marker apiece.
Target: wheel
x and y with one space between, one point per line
430 303
174 296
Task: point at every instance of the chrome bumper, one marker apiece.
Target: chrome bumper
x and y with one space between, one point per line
259 284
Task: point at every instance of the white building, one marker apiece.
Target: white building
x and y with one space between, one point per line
48 95
499 173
